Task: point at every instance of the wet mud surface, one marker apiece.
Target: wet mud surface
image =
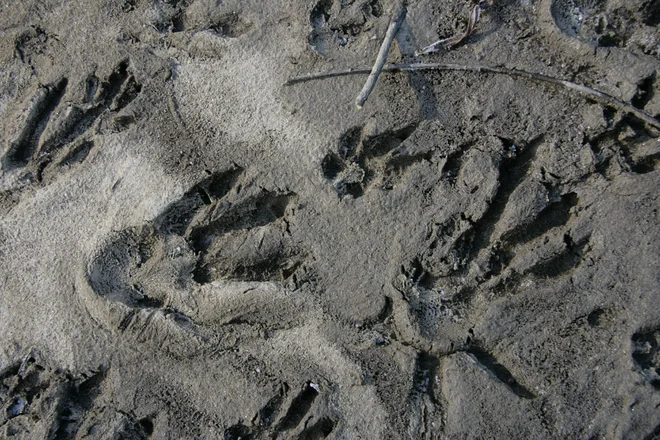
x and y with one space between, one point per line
190 248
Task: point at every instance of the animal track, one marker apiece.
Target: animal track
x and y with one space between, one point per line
626 146
55 135
169 15
273 421
337 23
488 362
362 160
521 229
220 230
45 402
230 25
569 15
424 408
173 16
646 354
26 144
227 230
605 24
33 43
517 226
224 228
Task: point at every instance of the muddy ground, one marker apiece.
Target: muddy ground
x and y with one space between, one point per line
191 249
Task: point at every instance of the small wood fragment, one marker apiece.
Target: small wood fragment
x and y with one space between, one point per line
395 23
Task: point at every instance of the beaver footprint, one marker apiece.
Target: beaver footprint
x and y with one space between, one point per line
167 280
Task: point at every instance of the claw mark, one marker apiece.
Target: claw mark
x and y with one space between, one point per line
238 432
425 368
77 400
114 94
24 147
178 216
337 23
514 170
298 409
268 413
645 92
46 130
230 26
489 364
454 162
654 435
259 211
321 429
300 406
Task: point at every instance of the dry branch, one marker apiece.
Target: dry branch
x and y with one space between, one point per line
395 23
596 95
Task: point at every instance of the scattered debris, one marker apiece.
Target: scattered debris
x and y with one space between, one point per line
454 40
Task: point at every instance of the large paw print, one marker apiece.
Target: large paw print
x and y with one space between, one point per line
515 228
523 227
157 281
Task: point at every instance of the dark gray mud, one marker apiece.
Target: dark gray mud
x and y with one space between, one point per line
191 249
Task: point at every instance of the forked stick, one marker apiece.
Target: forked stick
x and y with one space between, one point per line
392 29
596 95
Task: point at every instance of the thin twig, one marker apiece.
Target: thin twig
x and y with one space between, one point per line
596 95
395 23
454 40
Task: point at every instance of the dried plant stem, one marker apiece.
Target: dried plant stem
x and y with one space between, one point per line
395 23
596 95
454 40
